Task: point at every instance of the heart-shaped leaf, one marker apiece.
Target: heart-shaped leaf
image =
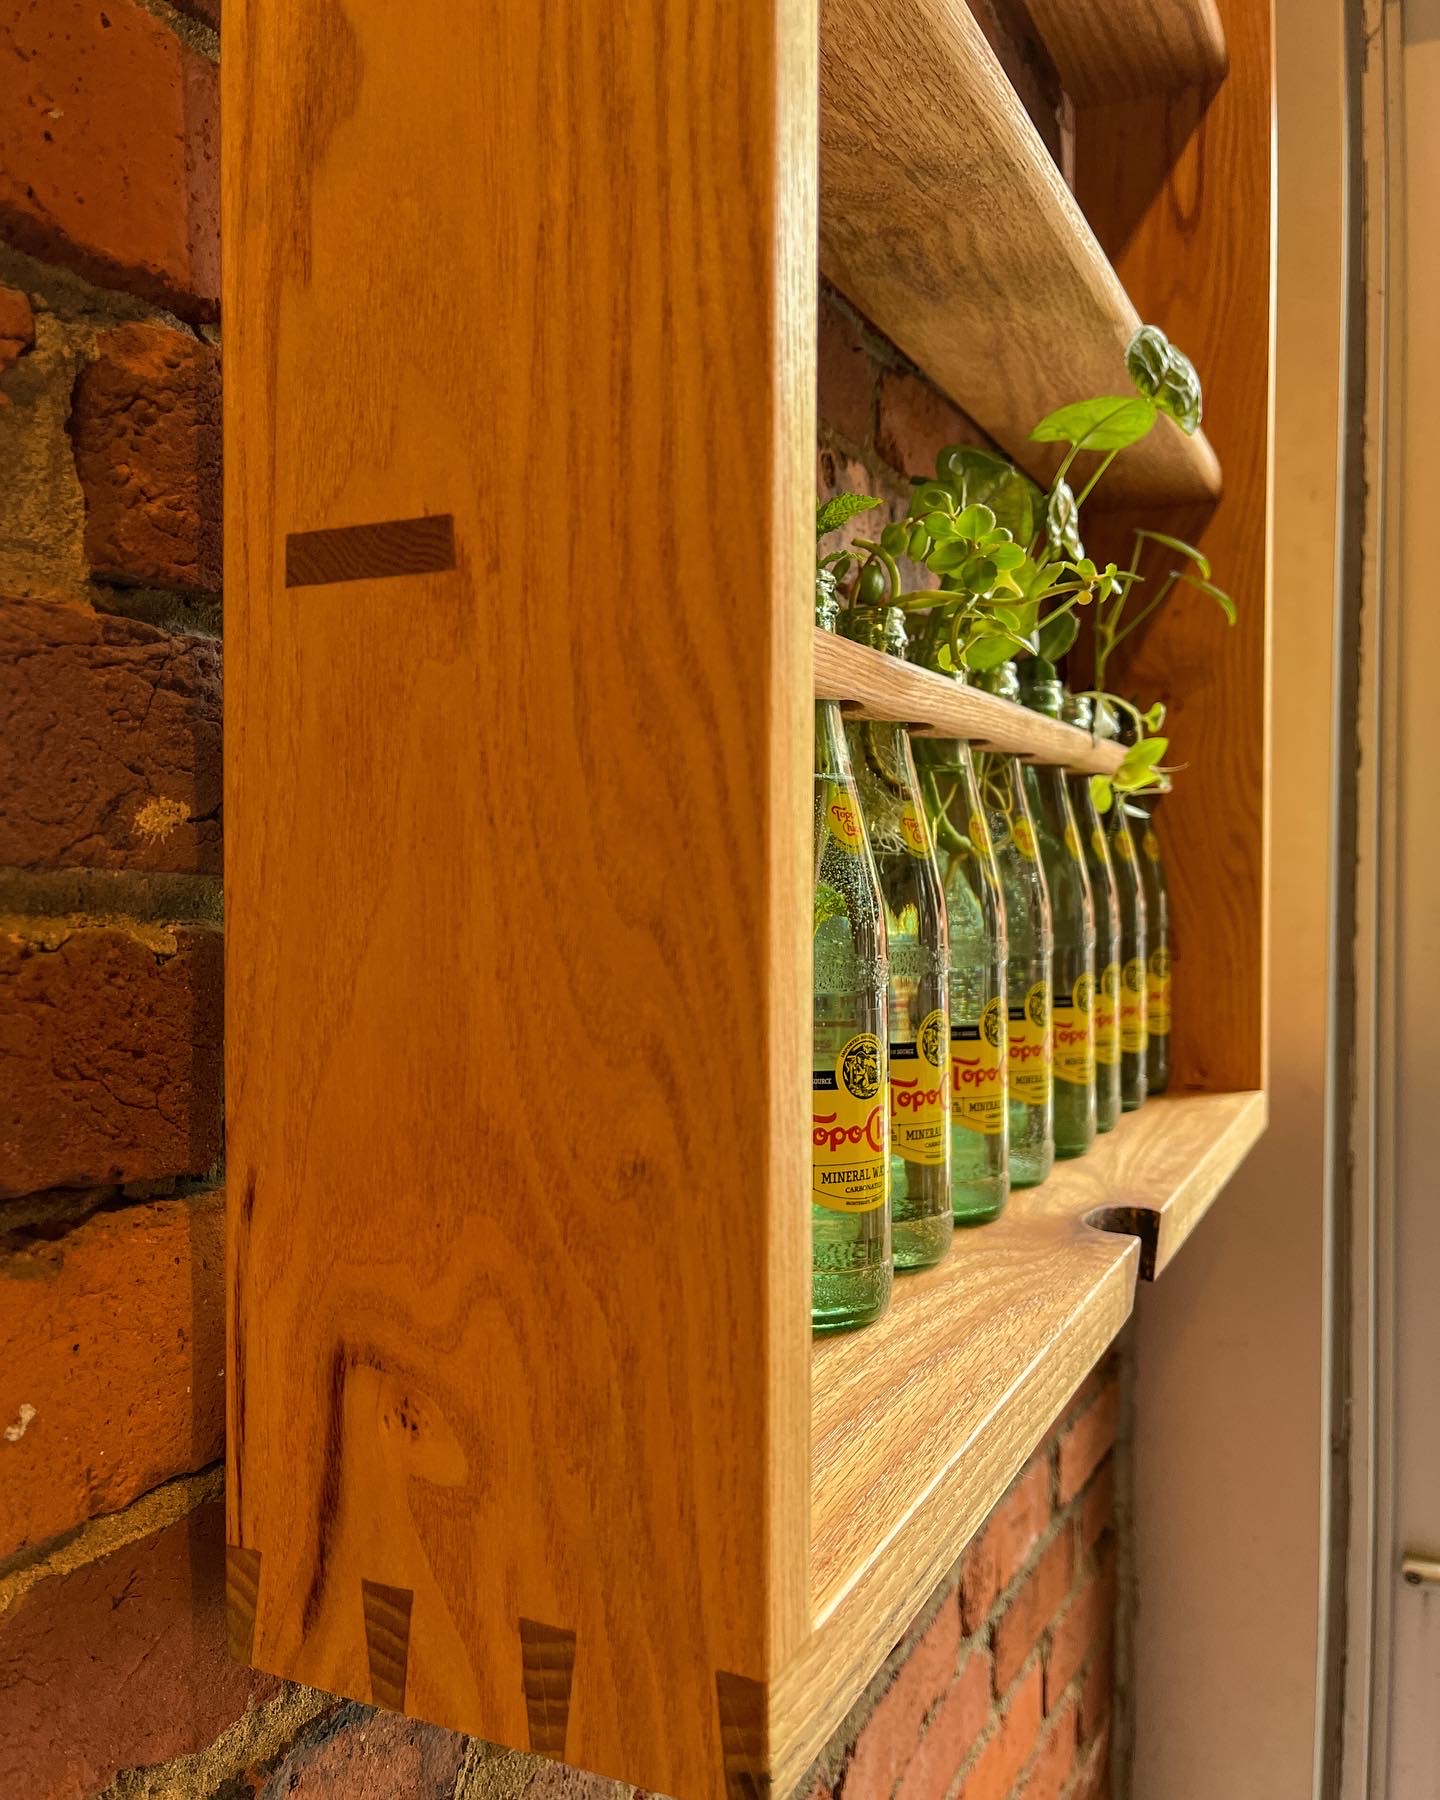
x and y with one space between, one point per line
1113 422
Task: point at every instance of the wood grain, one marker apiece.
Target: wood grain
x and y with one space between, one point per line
242 1597
946 222
517 862
1179 191
922 1421
547 1663
1108 50
871 685
370 552
387 1641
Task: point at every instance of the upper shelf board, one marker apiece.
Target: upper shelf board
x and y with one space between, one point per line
944 219
921 1421
871 685
1126 49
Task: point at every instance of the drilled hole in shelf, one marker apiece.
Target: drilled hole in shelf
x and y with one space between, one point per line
1131 1221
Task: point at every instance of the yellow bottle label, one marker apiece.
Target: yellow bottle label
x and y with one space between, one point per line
977 1072
1152 845
978 835
1124 846
1072 842
1031 1041
914 830
1134 1037
1075 1034
1157 993
1024 837
920 1094
850 1130
842 815
1106 1013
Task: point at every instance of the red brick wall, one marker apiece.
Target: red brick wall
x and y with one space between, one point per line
112 1635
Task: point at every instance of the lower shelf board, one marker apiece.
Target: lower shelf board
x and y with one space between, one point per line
921 1421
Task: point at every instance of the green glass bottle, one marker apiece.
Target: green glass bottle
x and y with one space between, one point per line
1157 962
1072 925
1134 1038
1029 1039
1105 1009
851 1266
921 1227
979 1117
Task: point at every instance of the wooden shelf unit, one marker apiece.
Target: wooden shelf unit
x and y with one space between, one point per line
1109 50
870 685
943 217
527 1434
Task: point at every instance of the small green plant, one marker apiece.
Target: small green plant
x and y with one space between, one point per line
1011 562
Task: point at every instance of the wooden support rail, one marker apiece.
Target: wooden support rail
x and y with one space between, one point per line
870 685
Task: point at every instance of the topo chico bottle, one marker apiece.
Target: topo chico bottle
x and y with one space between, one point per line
1134 1035
851 1269
1157 961
921 1228
1072 923
1029 1038
1105 1010
979 1116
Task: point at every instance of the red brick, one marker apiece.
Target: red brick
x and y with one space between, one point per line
381 1756
109 139
109 743
1054 1761
1092 1782
846 376
1097 1510
888 1738
110 1052
112 1338
1003 1546
1086 1622
915 424
1086 1442
1007 1752
118 1663
17 330
1020 1627
953 1728
1097 1691
145 423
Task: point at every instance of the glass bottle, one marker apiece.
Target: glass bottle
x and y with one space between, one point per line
921 1226
1157 963
1079 711
1029 1039
1134 1038
851 1268
1072 925
979 1117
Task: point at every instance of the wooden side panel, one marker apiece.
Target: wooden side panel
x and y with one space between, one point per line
1107 50
519 304
1179 192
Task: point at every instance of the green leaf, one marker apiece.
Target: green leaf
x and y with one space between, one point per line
894 538
989 652
829 904
979 478
917 545
831 514
1179 546
979 574
1218 595
1165 375
941 525
1101 792
1007 556
1057 635
1062 522
1112 422
948 557
1147 752
975 522
1155 718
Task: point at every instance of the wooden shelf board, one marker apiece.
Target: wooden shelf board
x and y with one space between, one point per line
947 223
920 1422
1108 50
870 685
